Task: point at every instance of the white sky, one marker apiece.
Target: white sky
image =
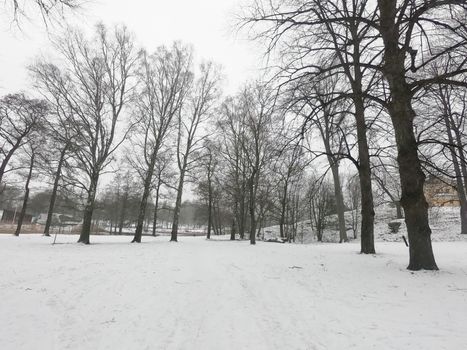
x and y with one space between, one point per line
207 24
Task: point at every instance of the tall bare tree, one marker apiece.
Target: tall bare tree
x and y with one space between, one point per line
31 151
319 38
259 103
411 32
95 84
19 115
199 107
166 77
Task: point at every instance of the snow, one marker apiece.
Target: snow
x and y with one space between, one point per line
218 294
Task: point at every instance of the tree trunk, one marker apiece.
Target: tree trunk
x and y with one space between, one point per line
144 199
252 207
26 196
178 205
367 242
283 209
88 211
402 115
53 197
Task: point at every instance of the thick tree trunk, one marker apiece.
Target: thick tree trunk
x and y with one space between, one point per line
178 205
53 197
367 243
26 197
88 211
402 115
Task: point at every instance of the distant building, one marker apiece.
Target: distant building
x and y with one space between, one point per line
441 192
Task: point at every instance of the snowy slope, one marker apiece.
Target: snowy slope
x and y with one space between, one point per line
444 223
199 294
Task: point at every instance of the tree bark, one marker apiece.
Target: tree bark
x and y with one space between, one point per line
367 243
53 197
26 196
88 211
402 115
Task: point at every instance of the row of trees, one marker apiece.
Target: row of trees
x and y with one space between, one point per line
355 83
386 57
103 95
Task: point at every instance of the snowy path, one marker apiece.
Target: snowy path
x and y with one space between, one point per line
197 294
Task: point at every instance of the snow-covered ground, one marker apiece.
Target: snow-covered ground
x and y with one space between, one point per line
198 294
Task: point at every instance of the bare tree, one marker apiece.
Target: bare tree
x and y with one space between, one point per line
95 85
232 132
320 38
200 103
163 176
328 116
205 186
165 80
58 127
31 150
319 197
411 32
259 105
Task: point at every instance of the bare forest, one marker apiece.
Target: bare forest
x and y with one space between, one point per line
359 103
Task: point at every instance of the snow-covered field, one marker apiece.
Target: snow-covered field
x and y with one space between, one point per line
199 294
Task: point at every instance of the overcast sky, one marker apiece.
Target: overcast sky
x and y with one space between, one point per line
207 24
